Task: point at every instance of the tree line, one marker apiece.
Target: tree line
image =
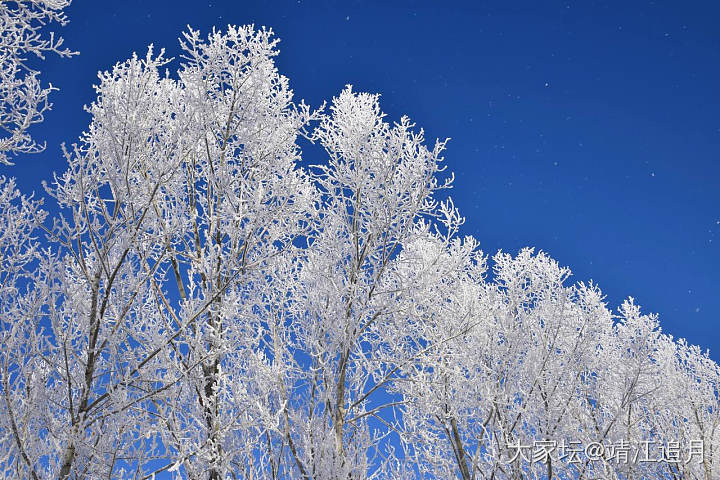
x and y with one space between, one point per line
207 306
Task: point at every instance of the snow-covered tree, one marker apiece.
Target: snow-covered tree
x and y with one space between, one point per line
23 98
529 372
352 326
209 306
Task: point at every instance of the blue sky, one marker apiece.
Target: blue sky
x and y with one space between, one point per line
589 130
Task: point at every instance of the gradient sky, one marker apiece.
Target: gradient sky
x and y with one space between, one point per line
589 130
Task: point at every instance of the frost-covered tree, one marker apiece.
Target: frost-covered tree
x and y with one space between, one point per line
209 306
23 98
539 370
352 327
178 199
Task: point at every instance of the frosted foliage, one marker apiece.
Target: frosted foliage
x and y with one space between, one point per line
23 98
210 305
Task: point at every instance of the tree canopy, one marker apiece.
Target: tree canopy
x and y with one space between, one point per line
206 305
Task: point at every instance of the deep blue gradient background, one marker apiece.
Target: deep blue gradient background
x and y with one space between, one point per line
587 129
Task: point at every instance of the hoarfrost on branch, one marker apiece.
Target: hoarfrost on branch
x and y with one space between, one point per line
207 305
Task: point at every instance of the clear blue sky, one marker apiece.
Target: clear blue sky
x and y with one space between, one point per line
587 129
